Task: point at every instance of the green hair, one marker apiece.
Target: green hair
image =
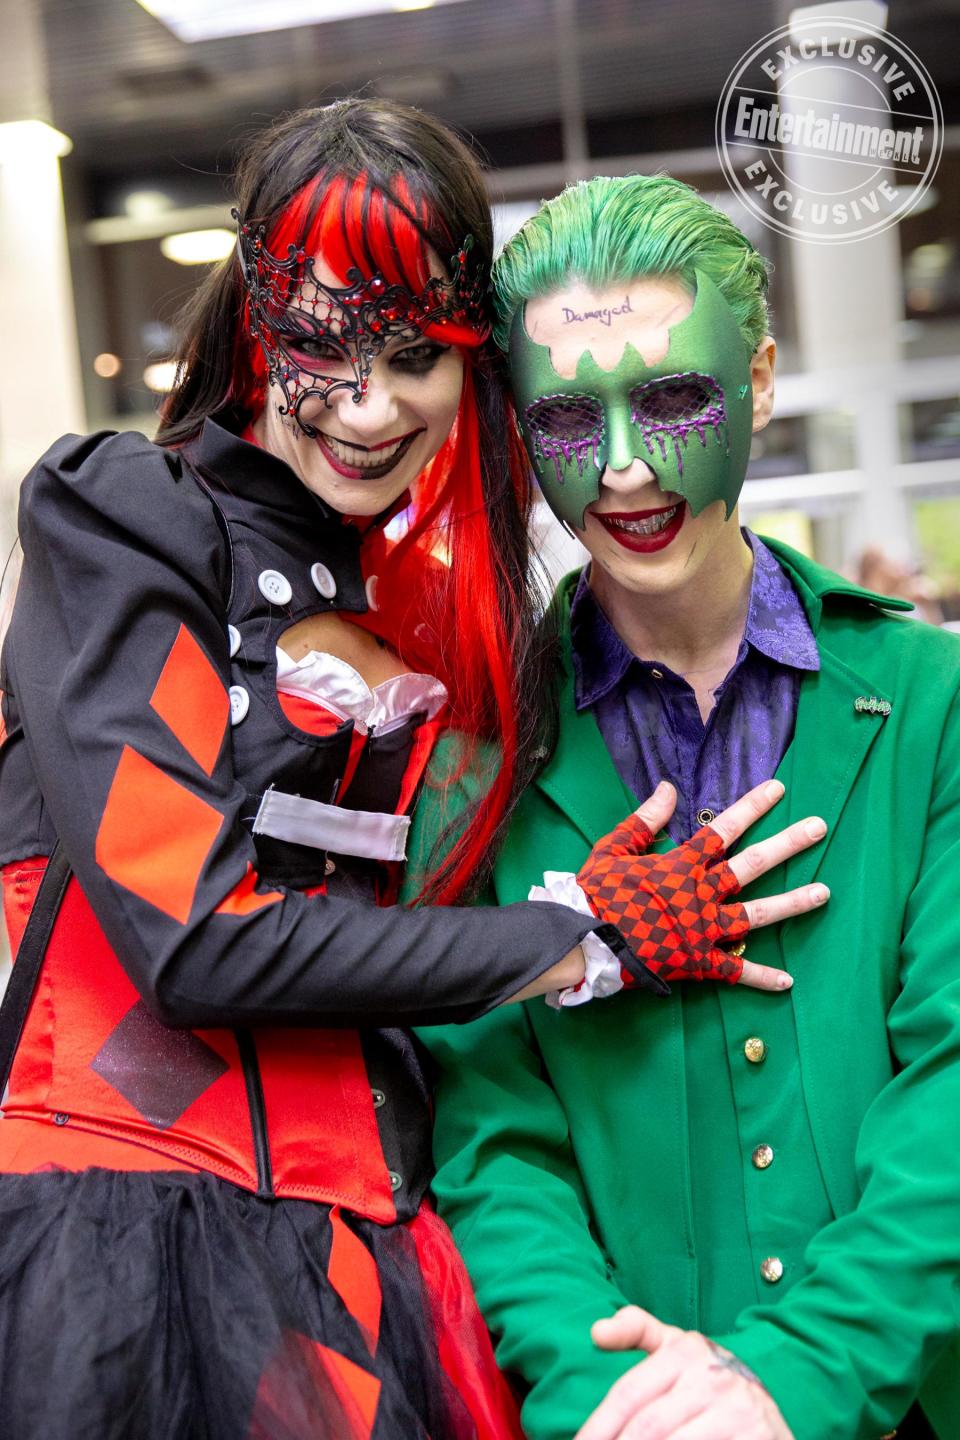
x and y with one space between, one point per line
607 229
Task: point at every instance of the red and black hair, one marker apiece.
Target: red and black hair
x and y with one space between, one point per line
386 189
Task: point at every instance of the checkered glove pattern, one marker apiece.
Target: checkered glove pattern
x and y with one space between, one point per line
669 907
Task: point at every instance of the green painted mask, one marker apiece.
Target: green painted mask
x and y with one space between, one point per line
689 417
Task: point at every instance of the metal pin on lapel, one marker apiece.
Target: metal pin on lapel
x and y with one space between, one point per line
870 705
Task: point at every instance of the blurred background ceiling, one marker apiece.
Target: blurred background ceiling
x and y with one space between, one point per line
536 81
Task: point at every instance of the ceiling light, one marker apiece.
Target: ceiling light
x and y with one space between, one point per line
107 365
160 376
146 204
193 20
19 137
198 247
856 18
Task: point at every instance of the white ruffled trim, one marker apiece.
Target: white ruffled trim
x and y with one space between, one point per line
602 976
338 687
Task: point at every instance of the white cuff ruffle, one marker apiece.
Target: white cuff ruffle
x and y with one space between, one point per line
603 968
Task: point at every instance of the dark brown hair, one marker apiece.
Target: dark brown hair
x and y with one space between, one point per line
493 661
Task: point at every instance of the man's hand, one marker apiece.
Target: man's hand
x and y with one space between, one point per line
687 1388
676 909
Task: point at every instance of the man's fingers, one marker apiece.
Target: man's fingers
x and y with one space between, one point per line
631 1329
645 1382
658 807
706 1426
764 977
773 908
667 1416
757 859
731 823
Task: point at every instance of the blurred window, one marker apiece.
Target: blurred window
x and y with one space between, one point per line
803 445
931 429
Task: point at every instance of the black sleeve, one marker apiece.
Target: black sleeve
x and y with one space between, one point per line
118 656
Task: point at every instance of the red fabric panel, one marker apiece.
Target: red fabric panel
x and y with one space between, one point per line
466 1353
191 699
313 719
33 1064
352 1272
155 835
28 1146
423 742
83 995
243 898
307 715
307 1391
358 1391
321 1119
21 881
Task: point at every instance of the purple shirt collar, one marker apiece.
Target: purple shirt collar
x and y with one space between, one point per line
777 626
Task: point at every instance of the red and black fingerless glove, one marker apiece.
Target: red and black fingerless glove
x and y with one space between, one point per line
669 907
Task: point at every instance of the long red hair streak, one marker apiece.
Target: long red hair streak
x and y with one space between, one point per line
444 600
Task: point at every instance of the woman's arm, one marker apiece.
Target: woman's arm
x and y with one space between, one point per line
117 660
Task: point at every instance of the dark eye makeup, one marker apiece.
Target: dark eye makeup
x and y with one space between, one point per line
415 359
418 359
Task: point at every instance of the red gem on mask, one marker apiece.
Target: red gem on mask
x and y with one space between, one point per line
376 284
375 325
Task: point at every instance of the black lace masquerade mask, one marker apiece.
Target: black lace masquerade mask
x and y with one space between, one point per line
305 327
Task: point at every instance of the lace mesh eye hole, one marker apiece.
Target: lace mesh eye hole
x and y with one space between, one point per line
665 403
566 417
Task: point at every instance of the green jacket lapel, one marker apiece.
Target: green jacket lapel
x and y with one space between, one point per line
830 744
832 737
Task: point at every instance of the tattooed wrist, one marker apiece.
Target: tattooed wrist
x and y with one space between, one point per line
724 1360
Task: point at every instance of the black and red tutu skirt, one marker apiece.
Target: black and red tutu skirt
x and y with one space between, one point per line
174 1306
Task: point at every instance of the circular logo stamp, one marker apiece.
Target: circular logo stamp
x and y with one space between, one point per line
829 129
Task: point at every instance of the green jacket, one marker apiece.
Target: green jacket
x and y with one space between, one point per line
561 1139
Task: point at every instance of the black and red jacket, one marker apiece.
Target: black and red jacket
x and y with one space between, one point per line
195 1006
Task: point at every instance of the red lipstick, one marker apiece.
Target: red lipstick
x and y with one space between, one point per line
634 531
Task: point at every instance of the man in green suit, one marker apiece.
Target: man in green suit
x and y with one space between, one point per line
775 1179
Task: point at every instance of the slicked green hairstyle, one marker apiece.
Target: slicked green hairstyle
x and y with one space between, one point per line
608 229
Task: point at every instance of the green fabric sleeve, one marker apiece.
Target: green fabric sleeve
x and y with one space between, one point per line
508 1186
845 1352
507 1182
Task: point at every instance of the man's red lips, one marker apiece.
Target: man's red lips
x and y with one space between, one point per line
639 530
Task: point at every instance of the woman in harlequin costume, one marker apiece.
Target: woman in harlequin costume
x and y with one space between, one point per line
230 655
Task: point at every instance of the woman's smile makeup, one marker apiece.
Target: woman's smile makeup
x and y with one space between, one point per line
643 531
364 462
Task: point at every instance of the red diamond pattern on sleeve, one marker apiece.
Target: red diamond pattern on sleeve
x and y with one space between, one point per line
155 835
190 698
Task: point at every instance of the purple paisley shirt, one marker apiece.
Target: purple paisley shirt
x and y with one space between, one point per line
649 718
